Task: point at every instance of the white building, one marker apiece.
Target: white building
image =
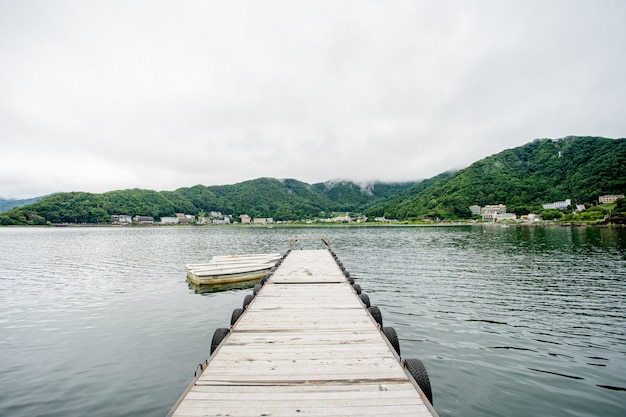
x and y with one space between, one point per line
262 220
557 205
339 219
121 219
506 216
530 217
495 208
143 219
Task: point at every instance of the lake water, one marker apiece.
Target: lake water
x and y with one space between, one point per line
508 321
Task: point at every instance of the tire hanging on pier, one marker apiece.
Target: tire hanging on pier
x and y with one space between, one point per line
235 316
218 337
376 314
418 371
246 300
366 299
392 336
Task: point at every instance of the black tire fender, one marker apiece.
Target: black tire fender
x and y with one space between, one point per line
392 336
357 288
418 371
235 316
246 300
218 337
366 299
256 289
376 315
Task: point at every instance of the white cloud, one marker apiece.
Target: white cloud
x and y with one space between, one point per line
107 95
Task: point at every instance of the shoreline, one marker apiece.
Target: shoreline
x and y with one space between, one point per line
342 225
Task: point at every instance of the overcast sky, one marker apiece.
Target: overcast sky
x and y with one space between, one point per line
104 95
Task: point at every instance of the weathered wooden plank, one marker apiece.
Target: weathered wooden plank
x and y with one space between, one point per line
352 351
261 371
300 338
241 410
335 388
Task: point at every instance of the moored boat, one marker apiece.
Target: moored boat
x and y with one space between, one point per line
231 269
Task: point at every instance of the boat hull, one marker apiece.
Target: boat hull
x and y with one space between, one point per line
226 278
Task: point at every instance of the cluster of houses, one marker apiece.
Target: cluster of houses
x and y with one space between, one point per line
214 217
494 212
498 212
125 219
246 219
345 219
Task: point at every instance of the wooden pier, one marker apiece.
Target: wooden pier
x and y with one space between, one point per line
305 346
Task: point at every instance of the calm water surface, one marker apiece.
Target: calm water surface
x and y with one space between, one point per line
508 321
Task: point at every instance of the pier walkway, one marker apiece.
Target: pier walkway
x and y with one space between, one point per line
305 346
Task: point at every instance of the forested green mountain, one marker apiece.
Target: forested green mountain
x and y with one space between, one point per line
523 178
286 199
348 196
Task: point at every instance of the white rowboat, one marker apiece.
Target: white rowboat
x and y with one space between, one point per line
231 269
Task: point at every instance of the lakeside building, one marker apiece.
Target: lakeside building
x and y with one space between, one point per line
557 205
385 220
506 216
337 219
214 217
530 217
185 218
121 219
245 219
610 198
143 219
490 212
262 220
495 208
169 220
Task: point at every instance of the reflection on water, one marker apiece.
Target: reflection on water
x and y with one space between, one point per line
508 321
207 289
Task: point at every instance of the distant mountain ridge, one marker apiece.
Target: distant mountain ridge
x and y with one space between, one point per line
281 199
522 178
8 204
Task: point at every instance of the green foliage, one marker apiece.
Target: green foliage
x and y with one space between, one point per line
550 214
348 196
397 207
